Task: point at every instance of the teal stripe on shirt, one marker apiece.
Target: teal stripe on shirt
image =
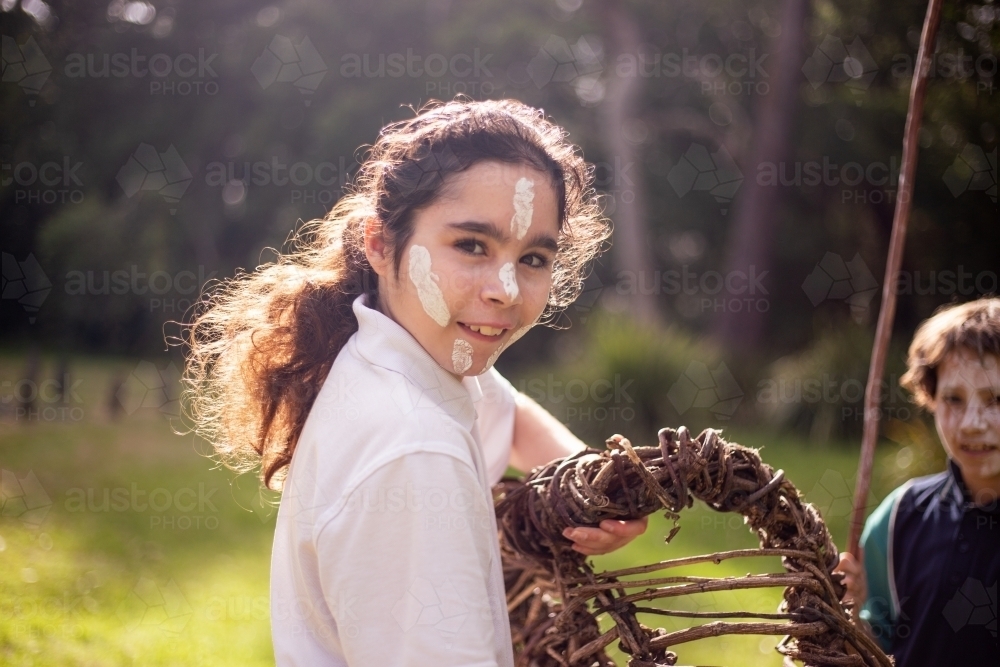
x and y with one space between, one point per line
878 609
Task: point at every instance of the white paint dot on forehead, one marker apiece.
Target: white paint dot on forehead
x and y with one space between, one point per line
428 291
461 355
508 276
524 195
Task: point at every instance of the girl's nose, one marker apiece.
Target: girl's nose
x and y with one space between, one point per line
500 285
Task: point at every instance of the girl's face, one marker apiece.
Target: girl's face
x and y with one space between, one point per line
476 273
967 414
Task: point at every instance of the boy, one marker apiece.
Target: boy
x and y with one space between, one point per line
927 580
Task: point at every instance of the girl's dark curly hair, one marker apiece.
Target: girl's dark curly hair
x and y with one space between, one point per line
261 344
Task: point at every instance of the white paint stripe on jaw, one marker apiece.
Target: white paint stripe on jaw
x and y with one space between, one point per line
524 195
514 337
461 355
508 276
428 291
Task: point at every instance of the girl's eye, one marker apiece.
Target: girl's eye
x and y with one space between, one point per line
471 246
535 261
951 399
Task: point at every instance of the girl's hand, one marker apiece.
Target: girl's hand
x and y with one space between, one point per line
610 536
854 579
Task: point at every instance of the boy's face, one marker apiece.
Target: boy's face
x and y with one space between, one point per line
477 271
967 414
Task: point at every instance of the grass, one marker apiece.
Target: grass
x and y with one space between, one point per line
173 568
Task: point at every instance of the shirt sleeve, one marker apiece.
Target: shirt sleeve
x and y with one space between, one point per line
878 609
404 567
495 416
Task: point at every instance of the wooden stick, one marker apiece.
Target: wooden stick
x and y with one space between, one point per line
887 312
710 586
720 628
707 558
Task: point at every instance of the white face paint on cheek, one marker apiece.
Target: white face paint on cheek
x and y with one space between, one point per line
508 276
524 195
461 355
428 291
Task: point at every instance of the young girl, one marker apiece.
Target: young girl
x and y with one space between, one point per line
357 371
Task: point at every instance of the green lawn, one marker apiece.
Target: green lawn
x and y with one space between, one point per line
173 568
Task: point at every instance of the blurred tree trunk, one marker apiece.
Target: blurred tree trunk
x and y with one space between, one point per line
631 250
757 208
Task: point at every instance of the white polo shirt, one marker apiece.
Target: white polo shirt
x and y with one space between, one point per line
385 550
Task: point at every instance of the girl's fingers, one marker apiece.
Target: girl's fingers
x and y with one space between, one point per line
591 538
610 536
625 528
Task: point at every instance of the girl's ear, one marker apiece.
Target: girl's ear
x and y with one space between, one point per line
376 249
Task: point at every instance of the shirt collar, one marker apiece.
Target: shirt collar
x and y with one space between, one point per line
955 491
383 342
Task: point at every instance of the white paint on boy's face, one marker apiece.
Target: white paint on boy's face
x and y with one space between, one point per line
508 276
967 416
524 208
425 281
461 355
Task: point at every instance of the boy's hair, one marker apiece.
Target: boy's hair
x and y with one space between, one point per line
973 326
261 345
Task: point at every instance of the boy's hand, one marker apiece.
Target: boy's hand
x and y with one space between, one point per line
610 536
854 578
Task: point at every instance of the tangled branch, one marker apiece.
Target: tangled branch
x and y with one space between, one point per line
554 597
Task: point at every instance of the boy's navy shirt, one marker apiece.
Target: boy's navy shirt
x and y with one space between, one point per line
942 562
